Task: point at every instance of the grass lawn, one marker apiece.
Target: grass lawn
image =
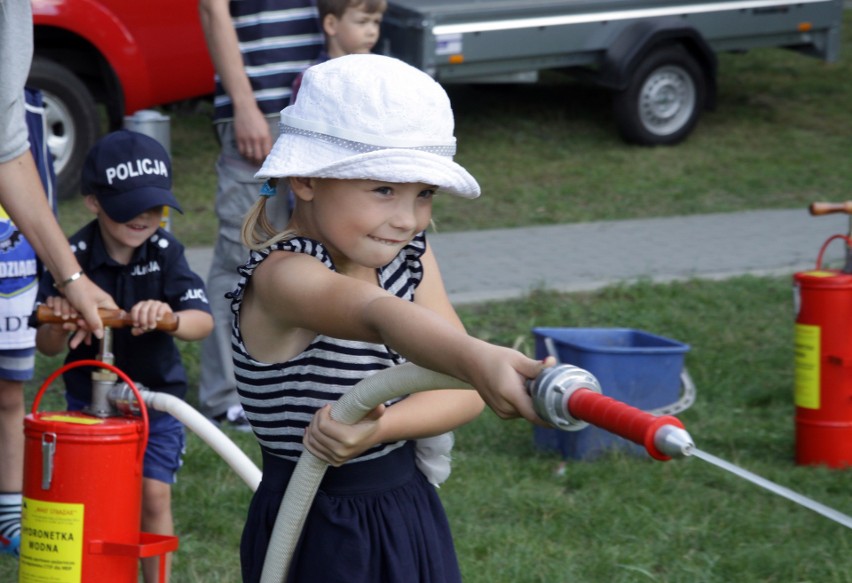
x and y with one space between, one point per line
620 518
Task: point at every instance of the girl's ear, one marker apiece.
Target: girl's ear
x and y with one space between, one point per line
303 188
91 203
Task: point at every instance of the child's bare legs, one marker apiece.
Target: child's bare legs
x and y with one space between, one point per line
11 435
156 519
11 453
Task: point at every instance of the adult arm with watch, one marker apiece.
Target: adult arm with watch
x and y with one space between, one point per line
21 192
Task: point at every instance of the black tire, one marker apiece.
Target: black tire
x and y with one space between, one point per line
73 124
663 100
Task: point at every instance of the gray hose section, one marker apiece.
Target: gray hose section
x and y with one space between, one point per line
209 433
350 408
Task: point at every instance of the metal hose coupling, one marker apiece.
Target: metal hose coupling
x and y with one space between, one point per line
551 390
122 399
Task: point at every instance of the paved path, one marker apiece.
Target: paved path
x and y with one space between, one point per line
508 263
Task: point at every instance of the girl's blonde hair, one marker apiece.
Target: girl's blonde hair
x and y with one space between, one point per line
258 232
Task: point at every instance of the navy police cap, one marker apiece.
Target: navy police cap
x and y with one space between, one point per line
129 173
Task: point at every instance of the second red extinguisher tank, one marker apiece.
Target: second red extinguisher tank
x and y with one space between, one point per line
823 368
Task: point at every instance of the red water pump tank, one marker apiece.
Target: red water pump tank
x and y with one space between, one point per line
823 368
82 496
823 356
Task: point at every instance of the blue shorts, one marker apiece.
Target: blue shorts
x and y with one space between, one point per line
17 365
166 444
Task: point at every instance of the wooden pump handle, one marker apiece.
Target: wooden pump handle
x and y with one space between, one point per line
110 318
825 208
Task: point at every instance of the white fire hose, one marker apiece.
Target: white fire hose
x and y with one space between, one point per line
121 396
551 391
108 394
365 396
663 437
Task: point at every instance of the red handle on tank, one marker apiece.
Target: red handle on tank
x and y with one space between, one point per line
121 374
621 419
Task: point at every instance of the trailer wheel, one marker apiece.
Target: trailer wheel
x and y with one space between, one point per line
663 99
72 121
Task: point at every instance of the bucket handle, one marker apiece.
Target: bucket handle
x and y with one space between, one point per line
687 395
97 363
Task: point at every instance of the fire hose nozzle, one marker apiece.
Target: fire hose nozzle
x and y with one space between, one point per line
570 398
673 441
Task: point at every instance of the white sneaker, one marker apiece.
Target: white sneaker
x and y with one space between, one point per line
234 418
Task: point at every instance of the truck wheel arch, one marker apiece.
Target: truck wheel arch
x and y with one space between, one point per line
659 51
71 66
71 119
640 38
84 23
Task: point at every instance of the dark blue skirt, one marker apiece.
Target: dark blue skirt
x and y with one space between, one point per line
371 522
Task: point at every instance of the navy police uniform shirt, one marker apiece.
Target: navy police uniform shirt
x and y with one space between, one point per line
158 270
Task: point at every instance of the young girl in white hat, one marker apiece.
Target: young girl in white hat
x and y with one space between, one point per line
349 288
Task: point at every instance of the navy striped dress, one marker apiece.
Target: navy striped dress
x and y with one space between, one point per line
374 519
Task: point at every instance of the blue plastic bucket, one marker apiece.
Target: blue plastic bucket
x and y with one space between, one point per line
632 366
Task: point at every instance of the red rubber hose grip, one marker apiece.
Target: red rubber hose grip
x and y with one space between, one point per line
621 419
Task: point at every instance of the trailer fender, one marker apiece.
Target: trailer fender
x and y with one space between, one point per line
640 38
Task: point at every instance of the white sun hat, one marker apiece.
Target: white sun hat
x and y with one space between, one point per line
369 117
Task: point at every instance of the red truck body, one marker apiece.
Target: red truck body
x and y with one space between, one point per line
120 54
155 48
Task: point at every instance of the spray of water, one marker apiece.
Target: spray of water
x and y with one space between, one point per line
822 509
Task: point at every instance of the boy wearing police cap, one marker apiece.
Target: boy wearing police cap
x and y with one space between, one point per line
126 182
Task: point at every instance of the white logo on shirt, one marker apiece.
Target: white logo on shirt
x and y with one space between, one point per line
139 270
194 294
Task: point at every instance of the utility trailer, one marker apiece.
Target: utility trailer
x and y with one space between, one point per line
657 57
